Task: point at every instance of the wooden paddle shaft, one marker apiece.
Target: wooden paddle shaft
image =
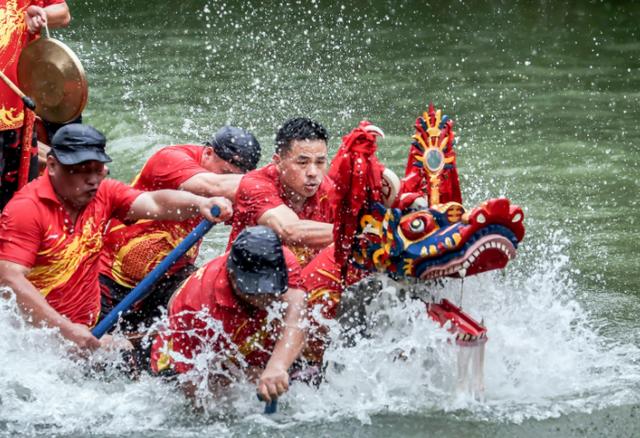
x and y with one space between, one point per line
11 85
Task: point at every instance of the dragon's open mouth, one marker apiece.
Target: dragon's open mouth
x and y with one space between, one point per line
484 253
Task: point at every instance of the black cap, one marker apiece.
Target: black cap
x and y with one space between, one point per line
76 143
236 146
256 260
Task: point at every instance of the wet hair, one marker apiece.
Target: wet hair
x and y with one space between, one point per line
299 128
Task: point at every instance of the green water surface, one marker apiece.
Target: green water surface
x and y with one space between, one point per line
545 95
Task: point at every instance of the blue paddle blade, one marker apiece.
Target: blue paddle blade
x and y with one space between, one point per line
269 407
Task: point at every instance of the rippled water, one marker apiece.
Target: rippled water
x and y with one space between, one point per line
546 102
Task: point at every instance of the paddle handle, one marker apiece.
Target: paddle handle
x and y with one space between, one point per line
143 288
28 102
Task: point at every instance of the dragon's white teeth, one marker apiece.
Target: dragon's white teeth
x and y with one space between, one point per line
493 244
462 272
472 258
466 264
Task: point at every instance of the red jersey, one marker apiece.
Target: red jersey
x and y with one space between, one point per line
131 252
260 190
13 37
36 232
205 311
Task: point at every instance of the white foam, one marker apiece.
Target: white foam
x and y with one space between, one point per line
545 357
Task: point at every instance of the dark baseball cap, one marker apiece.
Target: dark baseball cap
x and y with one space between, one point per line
257 262
76 143
236 146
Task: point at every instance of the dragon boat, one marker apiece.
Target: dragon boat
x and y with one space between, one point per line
415 229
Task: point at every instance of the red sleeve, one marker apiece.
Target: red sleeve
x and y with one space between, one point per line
256 196
293 268
170 167
20 232
121 197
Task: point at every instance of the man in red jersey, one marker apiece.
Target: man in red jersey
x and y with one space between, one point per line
51 232
20 20
131 252
222 310
291 194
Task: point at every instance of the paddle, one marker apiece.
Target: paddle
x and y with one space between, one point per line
143 288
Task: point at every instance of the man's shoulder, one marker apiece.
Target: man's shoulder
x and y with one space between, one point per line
170 166
109 184
180 149
213 266
268 172
111 190
32 195
23 206
203 287
177 152
263 178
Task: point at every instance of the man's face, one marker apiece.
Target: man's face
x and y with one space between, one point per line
213 163
303 167
76 184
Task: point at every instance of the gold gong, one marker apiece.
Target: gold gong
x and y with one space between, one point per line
52 75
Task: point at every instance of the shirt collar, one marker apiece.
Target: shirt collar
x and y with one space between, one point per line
45 189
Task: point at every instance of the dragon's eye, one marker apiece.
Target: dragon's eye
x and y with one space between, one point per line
417 225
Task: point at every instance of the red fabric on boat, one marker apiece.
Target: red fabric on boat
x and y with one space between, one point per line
357 175
27 152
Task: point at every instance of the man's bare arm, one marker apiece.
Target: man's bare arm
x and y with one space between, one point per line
53 15
293 230
212 184
177 205
38 310
274 381
58 15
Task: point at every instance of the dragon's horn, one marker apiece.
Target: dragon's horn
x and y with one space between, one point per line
375 130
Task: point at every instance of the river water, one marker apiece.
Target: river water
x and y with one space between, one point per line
546 100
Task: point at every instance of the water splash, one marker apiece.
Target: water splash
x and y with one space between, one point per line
544 358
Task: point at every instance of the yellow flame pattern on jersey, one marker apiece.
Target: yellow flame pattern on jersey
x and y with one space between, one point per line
64 257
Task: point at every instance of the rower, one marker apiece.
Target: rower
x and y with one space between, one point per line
132 251
51 232
225 309
291 194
